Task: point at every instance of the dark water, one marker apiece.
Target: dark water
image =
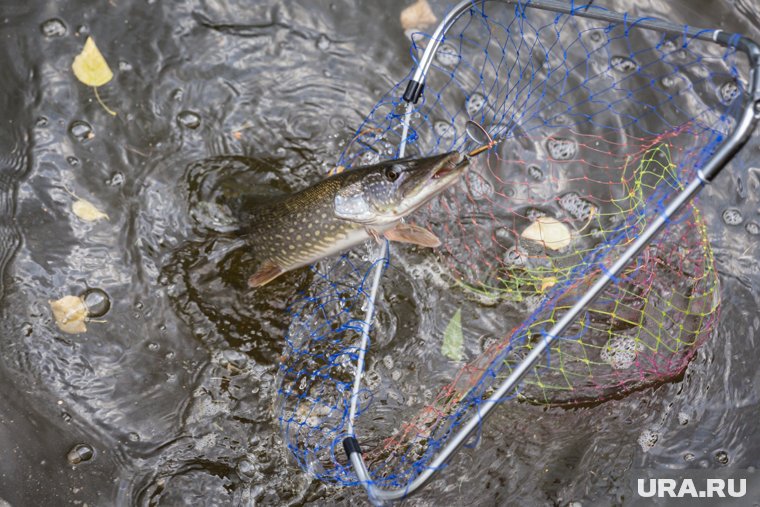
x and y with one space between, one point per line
173 391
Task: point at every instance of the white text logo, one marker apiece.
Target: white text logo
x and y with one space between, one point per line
714 488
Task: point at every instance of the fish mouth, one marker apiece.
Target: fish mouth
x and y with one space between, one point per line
443 174
454 163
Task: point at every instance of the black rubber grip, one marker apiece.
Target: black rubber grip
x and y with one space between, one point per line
351 445
413 91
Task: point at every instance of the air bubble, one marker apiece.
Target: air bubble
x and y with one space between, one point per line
474 104
73 161
577 207
479 187
752 228
80 453
189 119
125 66
514 257
668 81
116 179
502 234
369 158
153 346
728 92
623 64
534 214
245 469
535 172
53 28
732 216
721 457
97 302
447 55
561 149
620 352
81 131
596 36
444 130
323 42
647 439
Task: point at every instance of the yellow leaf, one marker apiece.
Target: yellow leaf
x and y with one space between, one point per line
551 232
90 67
548 283
417 15
87 211
453 338
70 313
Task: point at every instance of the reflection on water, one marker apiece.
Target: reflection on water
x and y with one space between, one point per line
167 398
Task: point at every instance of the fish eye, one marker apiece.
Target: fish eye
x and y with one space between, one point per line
392 173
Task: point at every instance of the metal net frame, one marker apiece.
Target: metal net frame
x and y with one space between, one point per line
575 236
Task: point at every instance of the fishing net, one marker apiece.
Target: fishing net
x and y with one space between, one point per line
603 123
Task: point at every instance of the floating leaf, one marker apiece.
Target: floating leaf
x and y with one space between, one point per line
87 211
70 313
453 338
417 15
551 232
90 67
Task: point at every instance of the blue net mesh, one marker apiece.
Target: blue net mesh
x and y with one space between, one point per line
602 124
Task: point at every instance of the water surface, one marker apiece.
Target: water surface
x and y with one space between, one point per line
173 391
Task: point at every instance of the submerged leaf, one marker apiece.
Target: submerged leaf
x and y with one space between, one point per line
87 211
551 232
418 15
70 313
548 283
453 338
90 67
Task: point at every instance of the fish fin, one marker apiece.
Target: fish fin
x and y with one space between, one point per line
266 273
373 234
414 234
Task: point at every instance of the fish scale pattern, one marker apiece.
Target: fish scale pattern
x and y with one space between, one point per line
600 125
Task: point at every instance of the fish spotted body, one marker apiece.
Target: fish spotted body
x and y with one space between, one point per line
347 209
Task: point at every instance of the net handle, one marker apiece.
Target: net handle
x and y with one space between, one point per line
705 174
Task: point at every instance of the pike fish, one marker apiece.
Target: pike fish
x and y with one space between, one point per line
347 209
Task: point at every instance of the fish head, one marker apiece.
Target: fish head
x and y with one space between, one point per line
385 193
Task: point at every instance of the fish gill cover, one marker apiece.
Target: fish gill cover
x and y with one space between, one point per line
603 123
